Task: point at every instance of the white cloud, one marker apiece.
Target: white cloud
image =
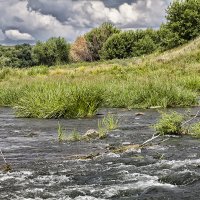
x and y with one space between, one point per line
16 35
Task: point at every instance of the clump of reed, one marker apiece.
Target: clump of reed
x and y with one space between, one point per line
108 123
175 123
58 100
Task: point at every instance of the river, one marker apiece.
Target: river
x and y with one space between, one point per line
43 168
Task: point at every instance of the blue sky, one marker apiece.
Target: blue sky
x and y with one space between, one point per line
31 20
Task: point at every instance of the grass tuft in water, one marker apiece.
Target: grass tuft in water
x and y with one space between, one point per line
170 124
177 124
102 131
74 136
109 122
195 130
61 136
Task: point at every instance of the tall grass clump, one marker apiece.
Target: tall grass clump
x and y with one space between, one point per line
68 137
10 94
110 122
170 124
61 136
195 130
148 92
58 100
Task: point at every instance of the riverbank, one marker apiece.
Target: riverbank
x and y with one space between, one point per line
171 79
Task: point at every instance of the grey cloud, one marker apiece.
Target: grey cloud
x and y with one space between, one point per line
2 36
59 9
116 3
41 19
88 13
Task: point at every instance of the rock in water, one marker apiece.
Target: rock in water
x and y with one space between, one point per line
92 133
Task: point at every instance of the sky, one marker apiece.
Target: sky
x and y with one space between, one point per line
27 21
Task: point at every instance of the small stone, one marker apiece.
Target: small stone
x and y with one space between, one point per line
92 133
139 114
155 107
126 143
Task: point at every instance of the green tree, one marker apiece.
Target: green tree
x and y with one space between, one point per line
145 45
130 43
23 54
16 56
118 46
183 23
53 51
97 37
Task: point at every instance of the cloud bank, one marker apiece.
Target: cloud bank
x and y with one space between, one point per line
31 20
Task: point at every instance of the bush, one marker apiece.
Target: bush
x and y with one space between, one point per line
79 50
97 37
170 124
183 23
16 56
144 46
118 46
130 43
54 51
169 39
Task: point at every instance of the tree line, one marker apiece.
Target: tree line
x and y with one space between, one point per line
109 42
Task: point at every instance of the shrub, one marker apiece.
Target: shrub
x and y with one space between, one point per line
97 37
144 46
130 43
183 23
79 50
170 124
118 46
16 56
53 51
168 38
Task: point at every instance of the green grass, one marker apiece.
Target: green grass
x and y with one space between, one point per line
170 124
73 136
109 122
195 130
58 100
171 79
61 136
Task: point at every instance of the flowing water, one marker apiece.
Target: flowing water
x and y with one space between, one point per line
43 168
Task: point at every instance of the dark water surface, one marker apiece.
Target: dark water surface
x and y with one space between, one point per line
45 169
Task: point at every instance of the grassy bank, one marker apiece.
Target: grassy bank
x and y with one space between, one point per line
171 79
